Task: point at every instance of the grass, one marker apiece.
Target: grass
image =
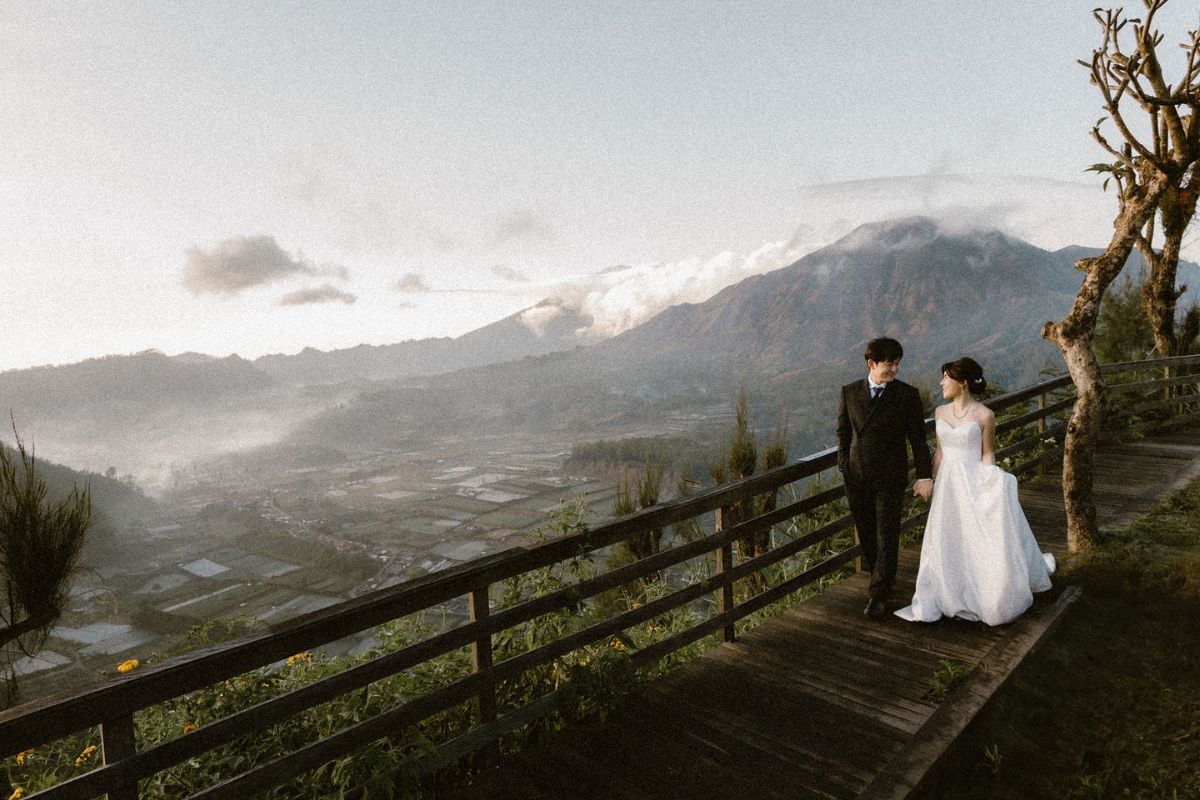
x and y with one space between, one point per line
1109 706
949 676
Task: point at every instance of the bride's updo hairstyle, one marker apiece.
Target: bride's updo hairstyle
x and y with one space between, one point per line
966 369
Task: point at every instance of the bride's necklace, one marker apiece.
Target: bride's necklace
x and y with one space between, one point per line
963 415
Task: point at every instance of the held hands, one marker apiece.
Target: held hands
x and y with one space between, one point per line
923 488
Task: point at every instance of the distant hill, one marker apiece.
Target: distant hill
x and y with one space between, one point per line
118 508
542 329
147 379
149 413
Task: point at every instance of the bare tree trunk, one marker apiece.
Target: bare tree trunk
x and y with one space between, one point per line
1079 447
1150 177
1176 208
1074 338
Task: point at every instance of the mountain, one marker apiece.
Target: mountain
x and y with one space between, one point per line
149 379
149 413
541 329
942 293
790 337
139 413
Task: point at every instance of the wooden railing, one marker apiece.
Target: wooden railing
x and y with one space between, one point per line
1029 432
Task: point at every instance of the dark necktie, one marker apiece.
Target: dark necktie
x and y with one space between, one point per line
877 392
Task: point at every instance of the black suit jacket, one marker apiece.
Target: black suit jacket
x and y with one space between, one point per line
872 435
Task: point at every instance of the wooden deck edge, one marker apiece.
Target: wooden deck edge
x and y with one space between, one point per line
1150 497
905 773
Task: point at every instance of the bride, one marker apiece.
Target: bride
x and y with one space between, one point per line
979 560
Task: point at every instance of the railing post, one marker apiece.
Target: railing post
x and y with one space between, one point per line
117 742
1041 400
481 655
725 593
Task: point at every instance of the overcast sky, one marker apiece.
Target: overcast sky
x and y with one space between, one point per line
257 177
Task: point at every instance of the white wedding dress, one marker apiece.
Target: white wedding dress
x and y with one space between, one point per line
979 560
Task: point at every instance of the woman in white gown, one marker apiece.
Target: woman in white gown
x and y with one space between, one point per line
979 560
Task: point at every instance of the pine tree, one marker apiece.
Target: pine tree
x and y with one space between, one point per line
41 542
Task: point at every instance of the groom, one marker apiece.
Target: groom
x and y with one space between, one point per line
877 417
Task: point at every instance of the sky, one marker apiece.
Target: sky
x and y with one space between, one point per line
254 178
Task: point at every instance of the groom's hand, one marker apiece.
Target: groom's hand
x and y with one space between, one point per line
923 488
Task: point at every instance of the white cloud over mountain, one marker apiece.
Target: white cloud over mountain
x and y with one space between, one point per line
1049 214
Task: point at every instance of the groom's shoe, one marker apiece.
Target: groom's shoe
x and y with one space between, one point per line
877 608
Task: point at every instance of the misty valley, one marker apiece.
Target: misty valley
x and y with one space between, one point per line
284 530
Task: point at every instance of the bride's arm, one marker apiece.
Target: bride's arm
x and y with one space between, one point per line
937 450
988 426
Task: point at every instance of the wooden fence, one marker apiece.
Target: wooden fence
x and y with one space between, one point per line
1030 429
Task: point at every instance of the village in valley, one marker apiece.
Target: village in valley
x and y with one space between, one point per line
268 537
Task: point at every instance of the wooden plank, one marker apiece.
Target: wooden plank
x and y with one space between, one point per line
748 756
855 699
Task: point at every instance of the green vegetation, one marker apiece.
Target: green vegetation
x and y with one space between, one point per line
679 455
41 543
1123 329
950 675
1110 705
640 492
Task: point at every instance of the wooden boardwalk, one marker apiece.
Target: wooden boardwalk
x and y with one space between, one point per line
822 702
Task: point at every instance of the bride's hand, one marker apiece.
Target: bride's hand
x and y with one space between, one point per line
923 488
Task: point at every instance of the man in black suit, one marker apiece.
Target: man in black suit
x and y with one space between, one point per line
877 417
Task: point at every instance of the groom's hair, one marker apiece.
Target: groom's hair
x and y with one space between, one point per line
883 349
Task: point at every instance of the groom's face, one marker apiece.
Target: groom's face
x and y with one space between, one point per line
883 371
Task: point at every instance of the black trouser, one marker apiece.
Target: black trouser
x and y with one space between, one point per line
876 512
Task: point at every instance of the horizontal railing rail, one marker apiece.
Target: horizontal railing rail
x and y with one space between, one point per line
707 576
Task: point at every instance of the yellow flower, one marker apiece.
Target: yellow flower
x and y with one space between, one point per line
21 757
85 756
189 727
17 793
129 666
306 657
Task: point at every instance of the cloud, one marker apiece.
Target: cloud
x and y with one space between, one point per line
412 283
617 300
240 263
1049 214
521 225
244 262
326 293
510 274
